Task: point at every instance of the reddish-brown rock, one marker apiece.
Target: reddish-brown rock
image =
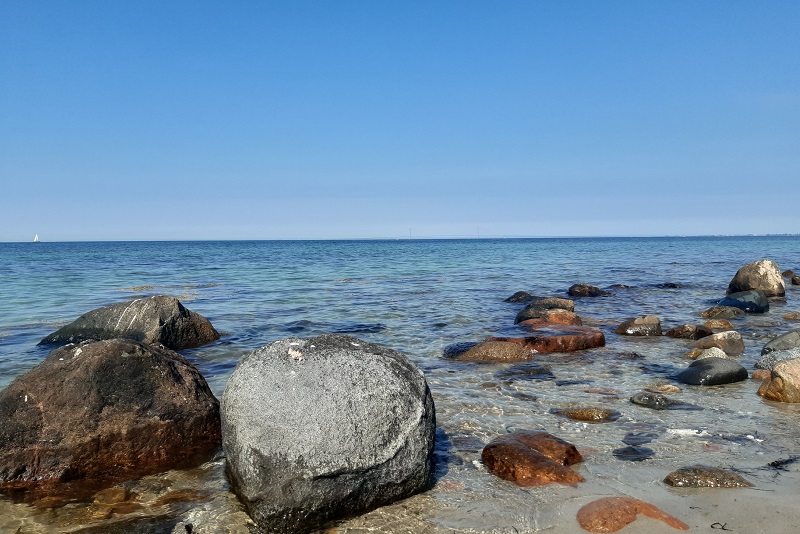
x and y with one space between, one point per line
98 413
559 338
689 331
496 351
610 514
532 458
555 315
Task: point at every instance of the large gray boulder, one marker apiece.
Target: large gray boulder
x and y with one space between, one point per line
762 275
158 319
321 428
787 341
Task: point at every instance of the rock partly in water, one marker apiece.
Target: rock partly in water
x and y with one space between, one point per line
750 301
158 319
788 273
796 280
730 342
586 290
711 352
538 318
789 340
321 428
587 414
610 514
769 359
705 477
101 412
534 309
689 331
793 316
784 384
657 401
713 372
559 338
649 325
722 312
520 296
496 351
762 275
532 458
718 325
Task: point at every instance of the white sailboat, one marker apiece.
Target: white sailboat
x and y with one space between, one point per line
36 238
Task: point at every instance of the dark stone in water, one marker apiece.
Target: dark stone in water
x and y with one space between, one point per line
524 373
712 372
638 438
520 296
657 401
456 349
752 301
789 340
669 285
633 454
722 312
689 331
573 382
296 327
586 290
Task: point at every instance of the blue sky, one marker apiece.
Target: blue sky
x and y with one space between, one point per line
262 120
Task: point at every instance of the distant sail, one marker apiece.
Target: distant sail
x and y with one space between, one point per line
36 238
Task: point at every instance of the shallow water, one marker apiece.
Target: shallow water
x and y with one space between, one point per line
419 297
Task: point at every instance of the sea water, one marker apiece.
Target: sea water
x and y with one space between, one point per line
419 297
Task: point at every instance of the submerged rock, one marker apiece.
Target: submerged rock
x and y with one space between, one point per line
98 413
558 338
539 318
730 342
531 458
158 319
705 477
722 312
657 401
718 325
689 331
610 514
713 372
535 308
586 290
750 301
788 273
649 325
784 383
321 428
520 296
762 275
589 415
496 351
769 359
789 340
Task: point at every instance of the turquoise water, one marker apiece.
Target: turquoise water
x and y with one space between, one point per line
419 296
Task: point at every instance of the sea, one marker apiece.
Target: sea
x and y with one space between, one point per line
420 297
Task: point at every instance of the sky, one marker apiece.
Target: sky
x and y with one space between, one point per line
379 119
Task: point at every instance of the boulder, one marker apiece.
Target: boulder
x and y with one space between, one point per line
718 325
789 340
730 342
722 312
555 316
769 359
689 331
711 352
649 325
705 477
496 351
158 319
762 275
750 301
101 412
610 514
784 384
534 309
559 338
531 458
713 372
326 427
586 290
520 296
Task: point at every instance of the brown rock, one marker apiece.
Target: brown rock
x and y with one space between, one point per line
762 374
788 273
718 325
531 458
496 351
532 310
796 280
689 331
586 290
589 415
794 316
98 413
722 312
705 477
555 316
610 514
762 275
784 384
731 342
649 325
559 339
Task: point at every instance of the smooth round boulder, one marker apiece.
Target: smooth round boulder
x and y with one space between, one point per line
730 342
158 319
713 372
649 325
784 384
101 412
769 359
321 428
586 290
762 275
753 301
789 340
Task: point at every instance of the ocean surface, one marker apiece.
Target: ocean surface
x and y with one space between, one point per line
419 297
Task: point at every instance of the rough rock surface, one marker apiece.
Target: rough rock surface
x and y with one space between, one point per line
587 414
713 372
532 458
610 514
520 296
789 340
762 275
705 477
532 310
586 290
769 359
718 325
649 325
796 280
730 342
559 338
711 352
320 428
784 385
496 351
158 319
722 312
555 316
689 331
750 301
94 414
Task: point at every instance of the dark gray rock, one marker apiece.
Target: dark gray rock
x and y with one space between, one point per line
713 372
750 301
321 428
788 273
520 296
796 280
586 290
705 477
657 401
769 359
98 413
789 340
649 325
762 275
689 331
158 319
